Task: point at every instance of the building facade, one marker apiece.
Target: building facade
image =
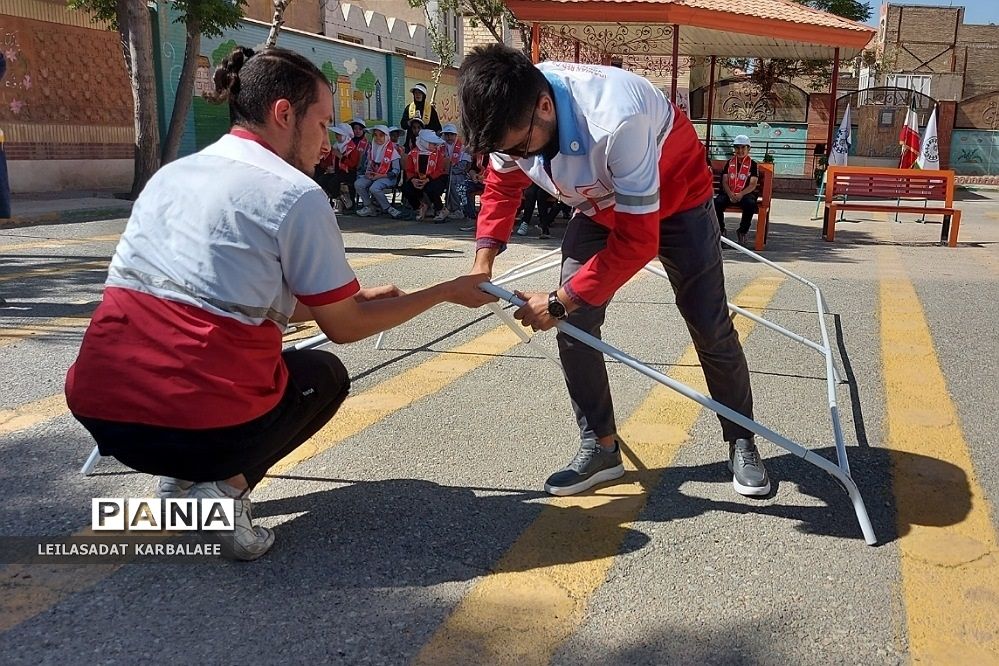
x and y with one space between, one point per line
65 99
66 109
932 51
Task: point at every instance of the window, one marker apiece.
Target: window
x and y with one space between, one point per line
918 82
349 38
865 79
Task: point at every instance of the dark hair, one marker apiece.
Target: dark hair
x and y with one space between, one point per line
498 87
252 82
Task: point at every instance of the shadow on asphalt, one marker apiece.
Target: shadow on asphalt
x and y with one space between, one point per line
456 533
415 532
946 493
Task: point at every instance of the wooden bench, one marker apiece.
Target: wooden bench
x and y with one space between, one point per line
765 190
891 184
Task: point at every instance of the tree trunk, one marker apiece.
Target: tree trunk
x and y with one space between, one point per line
140 55
276 22
185 92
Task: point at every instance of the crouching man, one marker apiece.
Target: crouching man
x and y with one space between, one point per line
181 372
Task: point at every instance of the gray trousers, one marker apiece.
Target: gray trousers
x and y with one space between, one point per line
690 253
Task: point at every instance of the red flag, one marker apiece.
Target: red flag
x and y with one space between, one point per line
909 137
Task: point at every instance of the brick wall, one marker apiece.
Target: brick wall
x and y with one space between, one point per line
936 40
65 94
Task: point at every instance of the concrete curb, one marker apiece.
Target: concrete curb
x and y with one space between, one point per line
65 217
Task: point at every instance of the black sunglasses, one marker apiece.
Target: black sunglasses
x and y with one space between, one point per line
522 150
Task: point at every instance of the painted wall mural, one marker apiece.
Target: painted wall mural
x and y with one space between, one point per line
446 101
367 84
975 152
783 140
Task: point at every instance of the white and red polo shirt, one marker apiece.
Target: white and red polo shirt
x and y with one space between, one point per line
626 158
219 248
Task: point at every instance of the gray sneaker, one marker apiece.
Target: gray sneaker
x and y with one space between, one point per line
592 465
247 541
169 487
749 476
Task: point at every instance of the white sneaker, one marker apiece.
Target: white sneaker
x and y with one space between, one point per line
523 229
456 215
394 212
168 487
365 212
246 542
441 215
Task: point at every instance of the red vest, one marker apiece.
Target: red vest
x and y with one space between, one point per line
436 164
391 152
455 152
738 173
352 154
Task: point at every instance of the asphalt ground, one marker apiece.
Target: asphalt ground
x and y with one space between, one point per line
414 527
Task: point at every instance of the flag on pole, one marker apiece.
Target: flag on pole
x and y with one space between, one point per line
841 142
909 137
929 153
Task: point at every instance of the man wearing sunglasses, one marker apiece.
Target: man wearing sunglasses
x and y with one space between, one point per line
605 141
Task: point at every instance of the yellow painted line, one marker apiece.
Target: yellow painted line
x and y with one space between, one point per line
46 328
521 613
28 590
365 409
949 554
55 243
401 253
50 271
32 413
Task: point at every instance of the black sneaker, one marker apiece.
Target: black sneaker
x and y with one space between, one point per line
592 465
749 476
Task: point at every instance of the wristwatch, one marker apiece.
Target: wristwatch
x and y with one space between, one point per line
555 307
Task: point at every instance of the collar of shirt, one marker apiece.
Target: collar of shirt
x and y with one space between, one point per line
570 140
244 133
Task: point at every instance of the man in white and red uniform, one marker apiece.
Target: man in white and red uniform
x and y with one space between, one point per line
608 143
181 372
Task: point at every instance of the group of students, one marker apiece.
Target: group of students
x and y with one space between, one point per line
436 172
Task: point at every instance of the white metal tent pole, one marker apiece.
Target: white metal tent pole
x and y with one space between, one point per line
809 456
516 273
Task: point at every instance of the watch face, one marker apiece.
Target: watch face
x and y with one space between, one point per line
555 307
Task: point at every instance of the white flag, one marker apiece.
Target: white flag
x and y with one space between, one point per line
841 142
929 155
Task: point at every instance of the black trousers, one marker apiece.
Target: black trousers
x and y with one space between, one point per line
547 207
434 189
317 385
331 182
690 253
748 204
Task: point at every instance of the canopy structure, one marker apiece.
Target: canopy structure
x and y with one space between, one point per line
728 28
715 28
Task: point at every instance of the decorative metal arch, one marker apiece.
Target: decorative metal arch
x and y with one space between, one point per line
561 46
744 101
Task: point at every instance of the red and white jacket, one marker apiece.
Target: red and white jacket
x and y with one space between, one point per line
352 154
626 163
437 164
384 166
